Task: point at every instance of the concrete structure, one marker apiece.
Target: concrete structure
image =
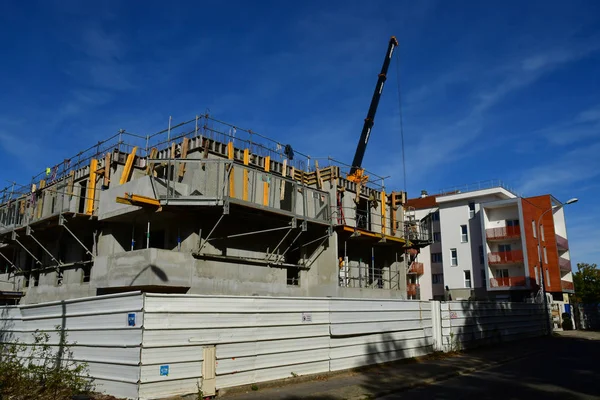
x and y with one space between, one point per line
207 208
485 245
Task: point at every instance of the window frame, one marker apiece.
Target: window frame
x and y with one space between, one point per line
471 209
453 257
464 234
469 279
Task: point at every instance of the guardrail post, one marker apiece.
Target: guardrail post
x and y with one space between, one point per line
436 325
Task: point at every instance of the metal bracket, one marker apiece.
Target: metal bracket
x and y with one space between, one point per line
10 262
14 238
292 226
226 207
62 222
29 232
210 234
304 226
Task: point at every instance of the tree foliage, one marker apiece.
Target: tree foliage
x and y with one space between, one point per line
587 283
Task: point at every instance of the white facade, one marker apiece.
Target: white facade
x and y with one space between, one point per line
458 254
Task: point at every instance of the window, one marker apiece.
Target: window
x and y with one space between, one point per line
504 248
545 255
435 216
512 222
436 257
502 273
36 278
467 278
437 279
533 228
464 235
471 210
481 260
537 276
547 278
542 232
437 237
453 257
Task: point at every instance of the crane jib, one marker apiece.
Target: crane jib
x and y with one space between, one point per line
370 120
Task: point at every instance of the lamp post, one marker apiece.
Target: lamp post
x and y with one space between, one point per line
542 281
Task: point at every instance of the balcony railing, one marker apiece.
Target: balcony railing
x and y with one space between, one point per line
562 243
505 257
511 281
564 264
505 232
567 286
416 268
411 289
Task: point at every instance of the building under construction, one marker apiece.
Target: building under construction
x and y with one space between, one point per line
208 208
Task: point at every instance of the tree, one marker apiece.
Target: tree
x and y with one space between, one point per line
587 283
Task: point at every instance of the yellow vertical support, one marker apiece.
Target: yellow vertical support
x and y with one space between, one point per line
91 191
246 162
40 203
383 222
128 166
266 182
231 173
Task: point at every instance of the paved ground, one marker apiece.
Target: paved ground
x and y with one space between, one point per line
565 367
568 370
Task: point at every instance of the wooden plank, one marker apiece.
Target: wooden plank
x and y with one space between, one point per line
266 183
91 190
230 151
318 175
40 203
128 166
383 218
393 213
245 183
71 183
283 174
22 207
107 158
185 146
150 166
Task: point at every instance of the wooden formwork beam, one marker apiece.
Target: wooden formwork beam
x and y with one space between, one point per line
71 183
185 146
40 200
107 160
91 188
383 218
266 183
230 155
282 187
152 156
128 166
245 183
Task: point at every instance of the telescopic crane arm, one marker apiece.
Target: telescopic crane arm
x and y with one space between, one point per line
356 170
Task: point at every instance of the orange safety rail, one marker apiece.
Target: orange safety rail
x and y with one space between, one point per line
416 268
511 281
411 289
506 232
567 285
505 257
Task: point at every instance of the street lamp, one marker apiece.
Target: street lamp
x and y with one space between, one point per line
539 233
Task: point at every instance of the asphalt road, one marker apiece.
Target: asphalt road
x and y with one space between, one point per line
570 369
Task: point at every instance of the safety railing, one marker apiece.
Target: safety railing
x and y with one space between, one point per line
416 268
506 232
511 281
567 286
505 257
369 276
562 243
564 264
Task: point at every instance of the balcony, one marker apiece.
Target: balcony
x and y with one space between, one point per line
565 265
562 243
567 286
503 233
416 268
511 281
505 257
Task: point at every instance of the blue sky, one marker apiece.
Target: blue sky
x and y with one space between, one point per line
506 90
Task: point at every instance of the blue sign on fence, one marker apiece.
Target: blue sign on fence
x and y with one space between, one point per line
164 370
131 319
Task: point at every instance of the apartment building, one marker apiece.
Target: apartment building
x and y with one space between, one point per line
485 244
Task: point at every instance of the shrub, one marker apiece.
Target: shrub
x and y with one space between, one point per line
37 371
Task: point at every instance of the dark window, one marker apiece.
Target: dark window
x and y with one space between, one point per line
82 197
86 273
435 216
293 276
